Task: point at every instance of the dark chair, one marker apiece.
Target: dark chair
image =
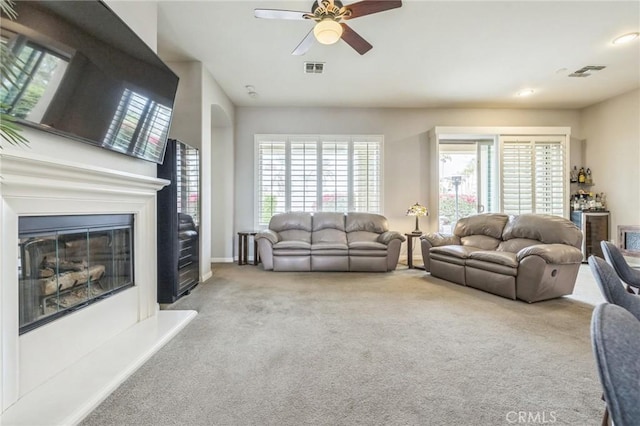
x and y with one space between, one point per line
615 338
626 273
612 288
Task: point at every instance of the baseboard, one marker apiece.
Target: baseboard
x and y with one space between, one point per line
222 260
206 276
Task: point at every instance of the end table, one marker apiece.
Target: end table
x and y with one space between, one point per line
243 249
410 236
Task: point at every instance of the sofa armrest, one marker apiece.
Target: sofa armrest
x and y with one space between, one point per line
557 254
388 236
270 235
437 239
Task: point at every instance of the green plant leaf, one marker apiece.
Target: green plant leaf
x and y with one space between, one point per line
6 6
10 131
10 67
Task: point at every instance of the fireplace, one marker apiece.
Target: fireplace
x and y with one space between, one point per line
79 193
68 262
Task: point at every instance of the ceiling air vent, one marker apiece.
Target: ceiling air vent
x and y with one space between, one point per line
584 71
313 67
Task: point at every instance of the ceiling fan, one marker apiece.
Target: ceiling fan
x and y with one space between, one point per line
329 16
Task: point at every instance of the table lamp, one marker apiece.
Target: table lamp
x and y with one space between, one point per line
417 210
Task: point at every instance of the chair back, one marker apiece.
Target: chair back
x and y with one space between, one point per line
614 257
615 338
612 288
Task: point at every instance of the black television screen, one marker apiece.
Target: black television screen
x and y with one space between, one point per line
81 72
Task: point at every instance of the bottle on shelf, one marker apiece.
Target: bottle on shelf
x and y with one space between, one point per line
588 180
574 175
582 177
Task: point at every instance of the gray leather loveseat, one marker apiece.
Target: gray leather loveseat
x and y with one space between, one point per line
326 241
530 257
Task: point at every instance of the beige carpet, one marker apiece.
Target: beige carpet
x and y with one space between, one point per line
400 348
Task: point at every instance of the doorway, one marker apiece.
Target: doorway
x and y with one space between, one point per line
466 180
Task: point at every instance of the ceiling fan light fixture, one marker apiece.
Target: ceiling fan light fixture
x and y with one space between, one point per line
327 31
626 38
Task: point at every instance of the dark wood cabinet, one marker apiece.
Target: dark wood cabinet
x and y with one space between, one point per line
178 222
595 228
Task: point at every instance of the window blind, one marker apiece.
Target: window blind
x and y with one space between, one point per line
532 177
317 173
271 185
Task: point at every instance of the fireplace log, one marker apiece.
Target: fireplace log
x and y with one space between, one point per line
69 279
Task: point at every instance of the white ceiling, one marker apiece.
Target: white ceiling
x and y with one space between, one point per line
425 54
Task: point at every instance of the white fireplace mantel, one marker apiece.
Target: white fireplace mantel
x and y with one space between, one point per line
30 185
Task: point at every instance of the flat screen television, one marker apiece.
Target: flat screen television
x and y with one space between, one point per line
81 72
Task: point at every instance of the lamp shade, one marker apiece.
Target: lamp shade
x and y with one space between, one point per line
417 210
327 31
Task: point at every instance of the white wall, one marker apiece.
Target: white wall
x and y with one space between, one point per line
204 118
141 17
612 151
406 154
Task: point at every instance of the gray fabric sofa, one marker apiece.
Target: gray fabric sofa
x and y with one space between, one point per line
326 241
530 257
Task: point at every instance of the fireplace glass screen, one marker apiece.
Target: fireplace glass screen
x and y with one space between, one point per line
69 262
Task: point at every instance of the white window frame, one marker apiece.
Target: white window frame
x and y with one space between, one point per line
319 140
450 132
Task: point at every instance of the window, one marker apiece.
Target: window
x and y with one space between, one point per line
533 171
139 126
32 78
467 180
317 173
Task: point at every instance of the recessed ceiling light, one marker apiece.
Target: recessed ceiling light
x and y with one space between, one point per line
625 38
525 92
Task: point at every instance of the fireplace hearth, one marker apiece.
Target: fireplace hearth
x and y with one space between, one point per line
68 262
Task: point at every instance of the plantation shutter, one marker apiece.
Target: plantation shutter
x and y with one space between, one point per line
138 126
517 177
532 177
335 176
549 178
367 177
271 176
304 176
317 173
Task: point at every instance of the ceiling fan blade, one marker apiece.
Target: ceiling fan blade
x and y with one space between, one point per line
279 14
367 7
354 40
304 45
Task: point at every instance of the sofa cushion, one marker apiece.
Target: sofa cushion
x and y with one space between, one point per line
491 267
291 245
328 220
328 246
369 222
438 239
514 245
367 245
292 226
545 228
556 254
489 224
287 221
367 253
328 235
499 257
480 241
359 236
295 235
460 252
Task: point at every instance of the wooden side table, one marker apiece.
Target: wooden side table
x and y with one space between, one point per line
243 248
410 236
